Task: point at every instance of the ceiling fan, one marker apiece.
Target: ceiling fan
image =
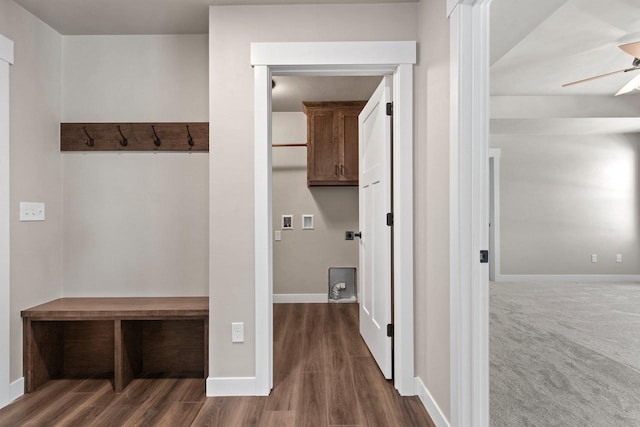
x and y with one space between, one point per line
632 49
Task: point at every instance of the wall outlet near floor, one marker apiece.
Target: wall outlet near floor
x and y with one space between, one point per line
594 258
31 211
618 257
237 332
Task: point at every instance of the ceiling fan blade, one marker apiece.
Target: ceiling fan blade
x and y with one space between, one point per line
598 77
632 49
633 84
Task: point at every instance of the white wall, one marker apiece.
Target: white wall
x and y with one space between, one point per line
565 197
36 96
135 224
431 194
232 29
302 258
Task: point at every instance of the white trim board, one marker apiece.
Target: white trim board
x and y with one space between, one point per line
6 59
569 278
436 414
336 58
6 49
17 389
333 53
300 298
231 386
469 136
494 253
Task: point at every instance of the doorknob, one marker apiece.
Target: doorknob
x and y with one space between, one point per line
350 235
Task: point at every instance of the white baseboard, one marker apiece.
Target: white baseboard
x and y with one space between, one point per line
16 389
430 404
568 278
299 298
231 386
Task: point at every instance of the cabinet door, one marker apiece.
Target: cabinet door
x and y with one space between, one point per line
323 150
348 138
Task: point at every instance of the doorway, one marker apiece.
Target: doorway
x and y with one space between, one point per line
336 59
339 181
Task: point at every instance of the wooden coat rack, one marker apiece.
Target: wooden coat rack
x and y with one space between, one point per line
192 136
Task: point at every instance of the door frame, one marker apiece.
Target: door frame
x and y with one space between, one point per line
469 140
336 59
6 59
494 207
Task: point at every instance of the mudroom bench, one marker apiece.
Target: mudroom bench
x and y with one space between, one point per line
117 338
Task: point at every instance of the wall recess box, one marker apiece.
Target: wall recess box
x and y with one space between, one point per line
287 222
307 222
31 211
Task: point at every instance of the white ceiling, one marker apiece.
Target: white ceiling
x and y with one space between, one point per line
85 17
290 91
539 45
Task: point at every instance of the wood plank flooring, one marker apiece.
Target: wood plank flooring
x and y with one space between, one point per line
324 376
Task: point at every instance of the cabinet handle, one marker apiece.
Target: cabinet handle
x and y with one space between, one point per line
342 170
336 170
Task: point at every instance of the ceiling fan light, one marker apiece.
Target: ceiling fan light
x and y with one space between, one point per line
634 84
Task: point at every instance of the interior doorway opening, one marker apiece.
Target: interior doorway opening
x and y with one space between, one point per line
336 59
323 217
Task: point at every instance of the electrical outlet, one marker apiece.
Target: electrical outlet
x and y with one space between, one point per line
237 332
594 258
31 211
618 257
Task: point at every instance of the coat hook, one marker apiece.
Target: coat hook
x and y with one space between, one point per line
156 138
190 140
91 142
124 141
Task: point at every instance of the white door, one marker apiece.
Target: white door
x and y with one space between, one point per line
374 145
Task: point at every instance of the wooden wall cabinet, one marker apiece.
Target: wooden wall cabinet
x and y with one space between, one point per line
332 138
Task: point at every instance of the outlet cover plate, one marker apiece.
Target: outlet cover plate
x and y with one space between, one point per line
31 211
237 332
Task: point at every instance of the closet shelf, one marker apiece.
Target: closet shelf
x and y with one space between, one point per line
158 136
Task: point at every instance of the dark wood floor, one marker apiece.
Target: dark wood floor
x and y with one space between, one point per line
323 376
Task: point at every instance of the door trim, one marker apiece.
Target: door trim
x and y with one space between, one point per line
494 256
469 290
336 59
6 59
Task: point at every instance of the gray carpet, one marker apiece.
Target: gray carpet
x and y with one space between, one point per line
565 354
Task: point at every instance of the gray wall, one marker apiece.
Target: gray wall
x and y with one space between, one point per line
36 95
232 29
135 224
565 197
431 194
302 258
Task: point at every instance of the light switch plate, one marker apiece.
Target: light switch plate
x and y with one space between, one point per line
618 257
31 211
594 258
278 235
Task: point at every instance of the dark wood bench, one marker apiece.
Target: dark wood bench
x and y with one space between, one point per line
121 338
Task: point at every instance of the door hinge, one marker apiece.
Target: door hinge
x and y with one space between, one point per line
389 108
390 219
484 256
390 330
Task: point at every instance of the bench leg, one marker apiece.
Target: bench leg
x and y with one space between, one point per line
128 352
43 352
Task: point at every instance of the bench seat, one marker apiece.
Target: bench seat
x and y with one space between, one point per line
121 338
